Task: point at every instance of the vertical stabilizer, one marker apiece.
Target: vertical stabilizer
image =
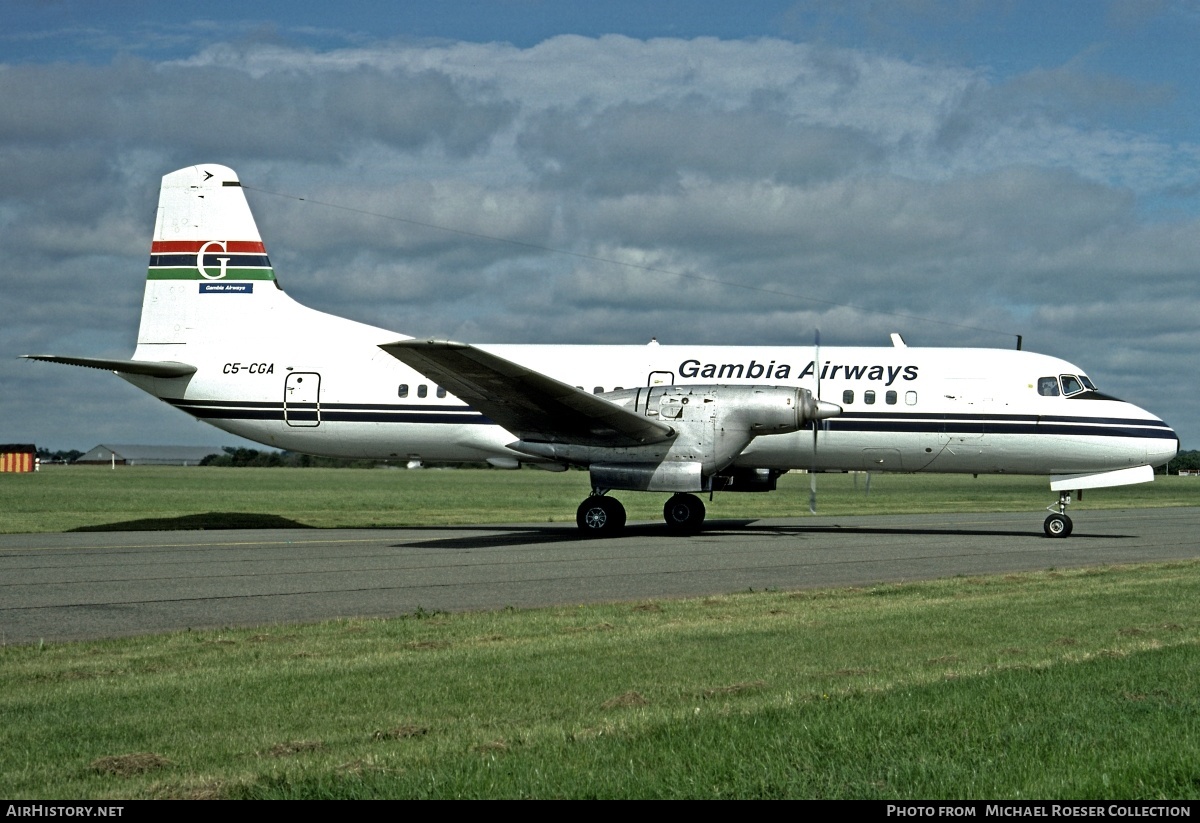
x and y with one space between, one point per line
209 273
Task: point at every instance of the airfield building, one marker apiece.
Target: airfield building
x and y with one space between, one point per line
133 455
17 457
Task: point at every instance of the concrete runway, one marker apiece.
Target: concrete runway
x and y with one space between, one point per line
57 587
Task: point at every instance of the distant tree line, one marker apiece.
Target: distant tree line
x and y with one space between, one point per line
242 457
1187 461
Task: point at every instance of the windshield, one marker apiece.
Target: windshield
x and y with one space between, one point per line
1070 384
1064 384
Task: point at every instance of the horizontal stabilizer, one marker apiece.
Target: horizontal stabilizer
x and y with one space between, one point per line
529 404
1120 477
150 368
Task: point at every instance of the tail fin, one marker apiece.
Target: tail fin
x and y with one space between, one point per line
209 272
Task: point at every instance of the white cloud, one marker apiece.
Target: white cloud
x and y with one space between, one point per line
812 175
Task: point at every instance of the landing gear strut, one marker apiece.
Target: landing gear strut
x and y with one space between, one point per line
684 513
600 516
1058 524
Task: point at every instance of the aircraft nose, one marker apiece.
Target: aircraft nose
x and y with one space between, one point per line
1164 447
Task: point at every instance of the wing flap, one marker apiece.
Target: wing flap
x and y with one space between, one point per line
529 404
150 368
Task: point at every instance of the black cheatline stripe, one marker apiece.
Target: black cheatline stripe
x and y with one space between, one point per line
946 427
407 417
272 404
929 421
241 410
1017 418
932 416
234 414
431 407
236 404
910 423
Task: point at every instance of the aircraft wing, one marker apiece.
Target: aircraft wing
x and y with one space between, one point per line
150 368
530 405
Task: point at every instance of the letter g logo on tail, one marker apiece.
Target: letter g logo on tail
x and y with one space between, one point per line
224 261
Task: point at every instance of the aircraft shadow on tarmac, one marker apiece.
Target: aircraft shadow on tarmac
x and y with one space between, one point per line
499 536
502 536
198 522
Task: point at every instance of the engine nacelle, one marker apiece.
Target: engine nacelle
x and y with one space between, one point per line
668 476
712 425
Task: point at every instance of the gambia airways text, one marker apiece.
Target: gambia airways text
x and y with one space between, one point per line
782 371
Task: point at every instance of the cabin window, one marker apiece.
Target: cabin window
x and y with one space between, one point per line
1048 386
403 390
848 396
441 391
422 390
598 390
1070 384
910 398
890 398
619 388
869 397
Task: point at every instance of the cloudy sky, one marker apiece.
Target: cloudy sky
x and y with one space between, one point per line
700 171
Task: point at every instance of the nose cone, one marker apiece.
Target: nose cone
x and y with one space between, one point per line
1160 440
1163 447
1144 438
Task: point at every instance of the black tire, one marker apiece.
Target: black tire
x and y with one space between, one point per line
684 513
1058 525
600 516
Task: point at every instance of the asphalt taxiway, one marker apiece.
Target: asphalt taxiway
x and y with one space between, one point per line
84 585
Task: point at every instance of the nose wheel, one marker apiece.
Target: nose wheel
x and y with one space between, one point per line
1058 524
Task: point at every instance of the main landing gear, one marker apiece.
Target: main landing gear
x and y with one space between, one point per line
603 516
600 516
1058 524
684 513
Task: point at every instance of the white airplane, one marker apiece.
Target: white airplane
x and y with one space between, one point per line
222 341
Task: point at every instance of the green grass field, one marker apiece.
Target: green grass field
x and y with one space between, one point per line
67 498
1077 684
1053 684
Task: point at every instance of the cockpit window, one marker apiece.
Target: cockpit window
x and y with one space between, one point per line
1070 384
1083 378
1048 386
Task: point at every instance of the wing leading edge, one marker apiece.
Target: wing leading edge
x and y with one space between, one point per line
531 405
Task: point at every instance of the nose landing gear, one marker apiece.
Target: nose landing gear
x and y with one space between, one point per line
1058 524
